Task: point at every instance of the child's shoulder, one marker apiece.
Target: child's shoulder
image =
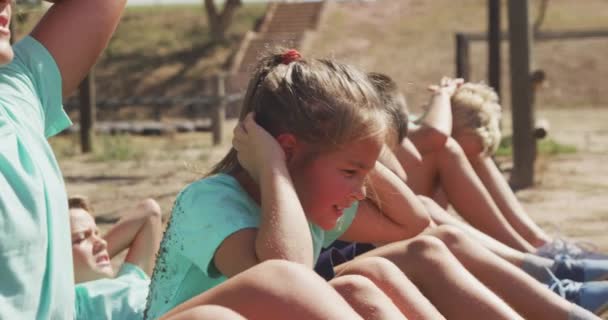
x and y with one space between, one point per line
219 188
217 183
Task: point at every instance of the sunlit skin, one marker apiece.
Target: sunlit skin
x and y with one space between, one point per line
331 182
91 259
6 51
470 142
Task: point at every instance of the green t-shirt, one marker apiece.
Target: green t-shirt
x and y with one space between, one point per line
205 213
122 297
36 275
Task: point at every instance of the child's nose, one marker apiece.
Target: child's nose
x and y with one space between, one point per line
100 243
359 193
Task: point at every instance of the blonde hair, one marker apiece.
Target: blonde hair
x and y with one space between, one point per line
475 109
321 102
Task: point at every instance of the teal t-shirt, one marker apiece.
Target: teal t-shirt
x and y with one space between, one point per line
205 213
122 297
36 275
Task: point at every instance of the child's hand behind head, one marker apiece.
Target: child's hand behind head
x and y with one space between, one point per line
255 147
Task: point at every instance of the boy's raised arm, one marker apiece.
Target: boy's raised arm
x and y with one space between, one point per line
75 32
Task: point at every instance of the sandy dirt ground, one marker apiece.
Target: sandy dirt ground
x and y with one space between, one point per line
571 195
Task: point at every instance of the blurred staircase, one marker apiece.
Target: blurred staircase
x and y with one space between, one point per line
287 24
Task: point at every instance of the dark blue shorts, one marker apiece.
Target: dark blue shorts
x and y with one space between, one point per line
338 253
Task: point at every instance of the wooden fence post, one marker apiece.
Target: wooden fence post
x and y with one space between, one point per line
494 45
462 56
87 111
219 111
524 144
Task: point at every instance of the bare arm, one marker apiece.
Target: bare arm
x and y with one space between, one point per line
391 212
75 32
391 162
283 232
140 231
507 202
436 125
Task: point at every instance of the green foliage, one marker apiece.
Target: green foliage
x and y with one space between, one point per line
548 147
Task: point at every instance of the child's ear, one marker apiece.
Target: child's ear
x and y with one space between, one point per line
288 143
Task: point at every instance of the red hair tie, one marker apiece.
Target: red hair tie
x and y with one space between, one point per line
290 56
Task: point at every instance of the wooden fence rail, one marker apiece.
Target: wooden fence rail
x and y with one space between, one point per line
522 78
212 106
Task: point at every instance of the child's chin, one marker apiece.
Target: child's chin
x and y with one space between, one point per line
106 272
6 52
328 225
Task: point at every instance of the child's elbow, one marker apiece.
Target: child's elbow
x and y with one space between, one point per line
151 209
430 139
415 224
436 138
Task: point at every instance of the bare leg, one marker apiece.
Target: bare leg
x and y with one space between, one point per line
529 297
449 169
441 217
443 280
139 231
386 276
208 312
507 202
469 197
366 298
422 174
275 290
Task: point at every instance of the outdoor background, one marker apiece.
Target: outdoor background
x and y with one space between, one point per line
167 50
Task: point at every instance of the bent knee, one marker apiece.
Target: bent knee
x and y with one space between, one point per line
151 208
450 235
211 312
377 269
353 284
289 274
281 268
427 247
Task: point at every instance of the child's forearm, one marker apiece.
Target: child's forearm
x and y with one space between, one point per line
436 124
391 162
124 232
122 235
439 114
283 232
396 201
